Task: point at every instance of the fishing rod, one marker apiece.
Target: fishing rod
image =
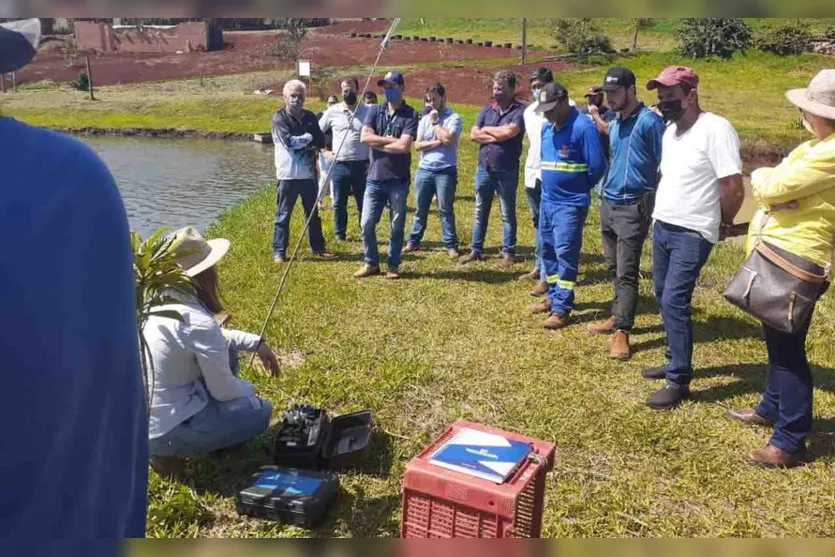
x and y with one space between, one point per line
385 44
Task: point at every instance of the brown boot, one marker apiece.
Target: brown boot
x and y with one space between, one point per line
169 467
556 322
533 275
324 255
453 254
620 347
508 260
540 289
410 248
541 307
367 271
772 457
603 328
470 257
393 273
749 417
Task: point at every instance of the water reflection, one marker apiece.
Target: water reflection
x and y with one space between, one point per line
182 182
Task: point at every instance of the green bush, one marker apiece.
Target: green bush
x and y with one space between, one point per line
829 33
784 40
581 36
713 37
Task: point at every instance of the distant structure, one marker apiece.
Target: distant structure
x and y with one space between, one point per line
109 38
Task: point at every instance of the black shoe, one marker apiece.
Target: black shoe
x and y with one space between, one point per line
659 372
668 398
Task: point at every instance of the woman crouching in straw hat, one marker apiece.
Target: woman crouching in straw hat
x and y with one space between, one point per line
199 404
796 219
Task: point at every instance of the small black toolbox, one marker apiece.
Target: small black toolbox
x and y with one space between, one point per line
297 497
309 439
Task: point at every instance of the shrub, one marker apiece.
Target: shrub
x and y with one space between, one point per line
82 83
784 40
829 34
713 37
581 36
289 42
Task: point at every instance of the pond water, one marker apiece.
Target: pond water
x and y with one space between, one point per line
183 182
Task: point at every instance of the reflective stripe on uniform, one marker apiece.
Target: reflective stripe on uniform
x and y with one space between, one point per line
552 279
566 284
564 167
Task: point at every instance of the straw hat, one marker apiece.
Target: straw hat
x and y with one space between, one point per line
196 254
819 97
18 43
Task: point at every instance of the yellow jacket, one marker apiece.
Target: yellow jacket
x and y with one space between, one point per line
807 176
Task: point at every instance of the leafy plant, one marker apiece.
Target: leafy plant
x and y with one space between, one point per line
713 37
82 83
829 34
157 277
294 33
785 40
581 35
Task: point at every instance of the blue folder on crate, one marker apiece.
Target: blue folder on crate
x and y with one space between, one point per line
482 455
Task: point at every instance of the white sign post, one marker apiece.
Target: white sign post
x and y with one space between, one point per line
304 68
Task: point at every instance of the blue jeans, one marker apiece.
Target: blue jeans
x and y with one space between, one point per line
288 193
427 184
787 400
487 184
534 196
348 179
217 426
561 230
377 195
678 256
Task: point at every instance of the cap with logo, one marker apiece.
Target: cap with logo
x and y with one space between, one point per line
549 96
618 77
594 91
675 75
392 78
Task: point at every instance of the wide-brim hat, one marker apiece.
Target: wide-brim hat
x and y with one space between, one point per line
195 253
819 97
19 42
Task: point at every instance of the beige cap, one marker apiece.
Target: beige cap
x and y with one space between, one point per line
196 254
819 97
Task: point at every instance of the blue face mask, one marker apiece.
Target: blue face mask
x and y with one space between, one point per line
536 93
392 95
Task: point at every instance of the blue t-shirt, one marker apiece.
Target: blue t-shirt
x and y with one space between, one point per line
385 167
445 156
504 156
573 161
73 422
636 156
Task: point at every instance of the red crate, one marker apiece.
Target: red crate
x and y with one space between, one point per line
441 503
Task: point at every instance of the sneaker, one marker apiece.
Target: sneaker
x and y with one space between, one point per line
620 347
470 257
367 271
556 322
453 254
541 307
655 373
508 260
668 398
279 259
603 328
540 289
393 273
324 255
411 247
533 275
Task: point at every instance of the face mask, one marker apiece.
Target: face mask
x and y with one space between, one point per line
392 95
295 102
350 97
672 110
536 93
500 97
808 126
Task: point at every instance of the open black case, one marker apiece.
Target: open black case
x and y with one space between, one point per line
332 443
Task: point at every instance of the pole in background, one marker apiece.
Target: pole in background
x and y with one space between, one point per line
524 40
14 82
3 82
90 78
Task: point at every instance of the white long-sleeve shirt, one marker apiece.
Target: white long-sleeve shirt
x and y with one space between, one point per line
191 364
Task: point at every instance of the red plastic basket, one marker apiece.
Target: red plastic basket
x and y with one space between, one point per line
441 503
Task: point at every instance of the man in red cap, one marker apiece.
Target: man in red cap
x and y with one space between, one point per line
699 195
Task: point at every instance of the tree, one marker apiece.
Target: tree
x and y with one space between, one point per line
640 23
581 36
713 37
294 33
157 276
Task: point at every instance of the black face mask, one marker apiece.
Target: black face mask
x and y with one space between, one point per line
672 110
350 97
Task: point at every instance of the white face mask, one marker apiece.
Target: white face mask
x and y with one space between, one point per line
536 93
808 126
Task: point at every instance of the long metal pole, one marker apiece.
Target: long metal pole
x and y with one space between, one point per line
524 40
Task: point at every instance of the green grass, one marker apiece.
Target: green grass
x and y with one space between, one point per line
449 342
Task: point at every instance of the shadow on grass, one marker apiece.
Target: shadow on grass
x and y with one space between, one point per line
822 439
711 330
362 517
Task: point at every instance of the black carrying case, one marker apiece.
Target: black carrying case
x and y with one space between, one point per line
341 442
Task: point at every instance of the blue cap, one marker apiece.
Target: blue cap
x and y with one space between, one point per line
18 43
395 78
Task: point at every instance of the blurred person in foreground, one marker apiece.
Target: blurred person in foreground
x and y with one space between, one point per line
297 138
627 201
73 427
370 99
199 404
499 131
438 135
344 120
389 131
796 219
698 197
572 163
